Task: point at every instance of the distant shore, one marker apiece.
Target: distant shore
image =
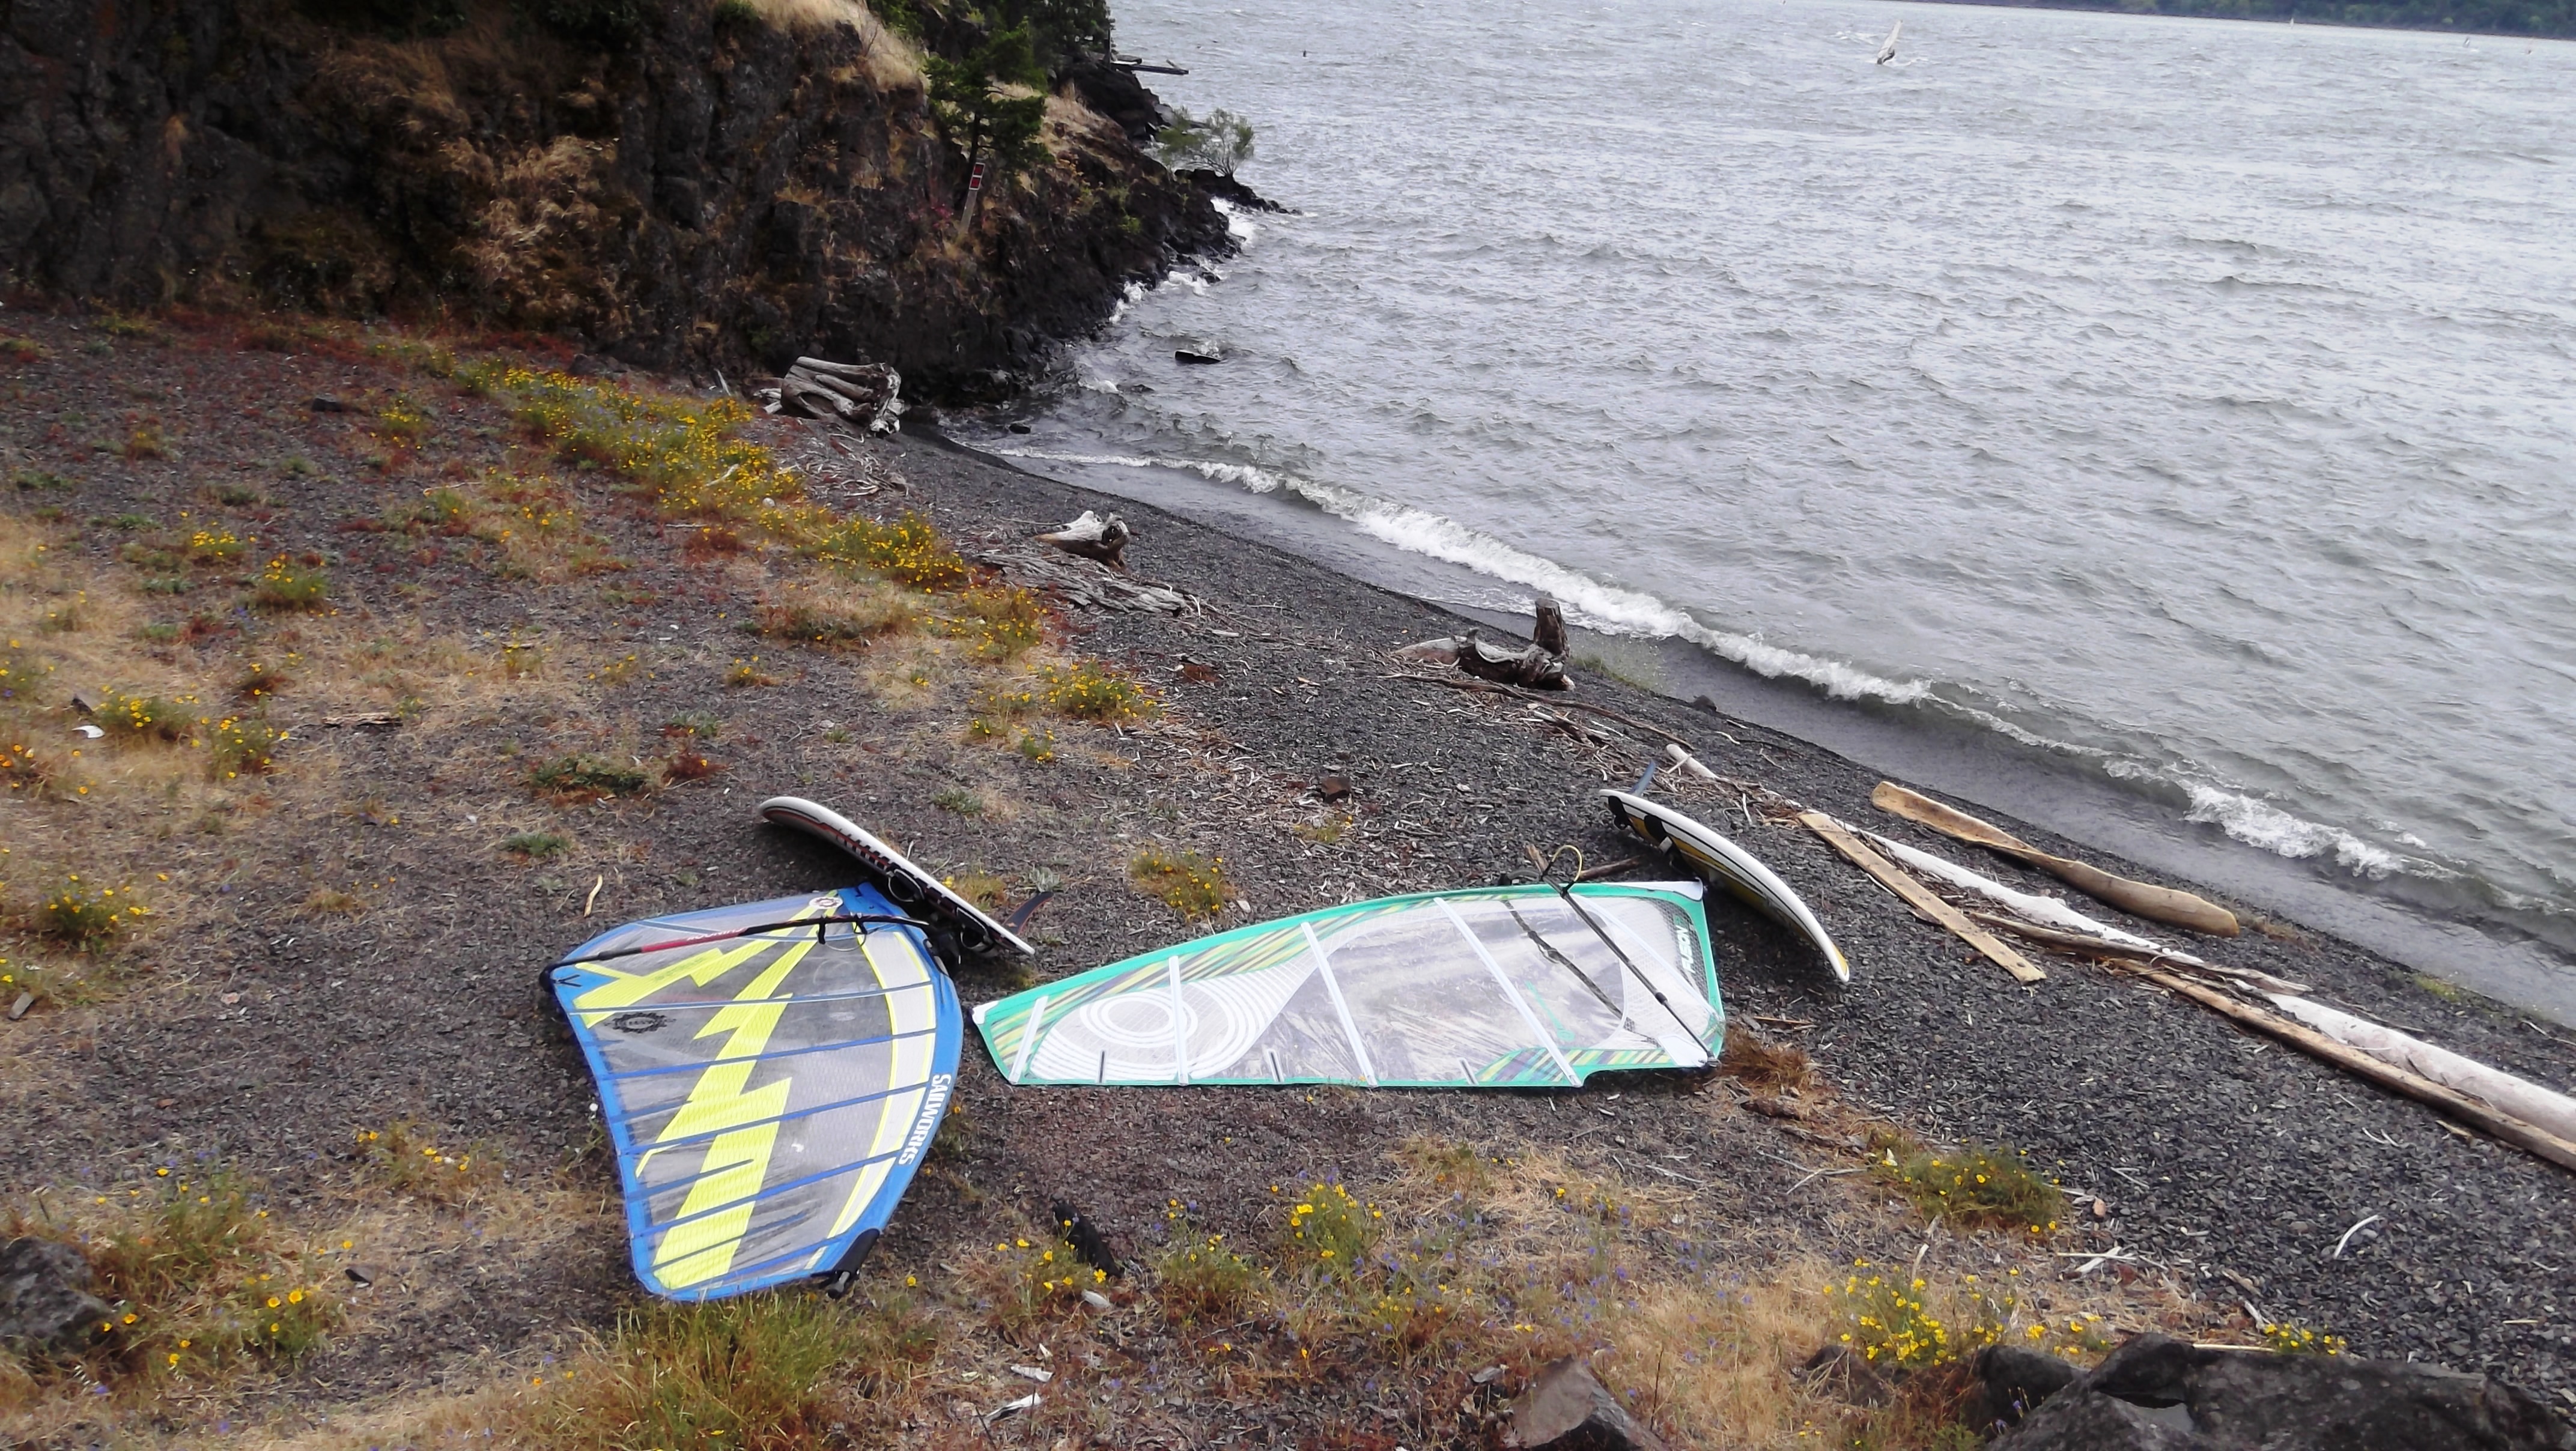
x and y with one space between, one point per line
2482 17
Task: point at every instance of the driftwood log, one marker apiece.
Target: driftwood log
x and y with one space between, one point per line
1919 897
2450 1102
1529 667
1086 583
1539 665
1094 537
1549 632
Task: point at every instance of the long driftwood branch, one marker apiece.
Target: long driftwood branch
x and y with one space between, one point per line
2104 947
1919 897
2538 1142
2156 904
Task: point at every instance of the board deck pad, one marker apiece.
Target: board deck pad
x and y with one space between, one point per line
769 1092
1729 866
906 880
1493 987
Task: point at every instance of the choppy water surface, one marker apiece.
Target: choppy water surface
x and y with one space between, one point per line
2192 403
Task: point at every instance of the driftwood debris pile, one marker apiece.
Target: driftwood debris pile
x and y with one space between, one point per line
864 395
2538 1120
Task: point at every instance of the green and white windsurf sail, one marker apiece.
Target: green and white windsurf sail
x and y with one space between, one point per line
1496 987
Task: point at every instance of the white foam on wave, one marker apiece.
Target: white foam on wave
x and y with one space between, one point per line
2260 823
1588 602
1128 297
1237 225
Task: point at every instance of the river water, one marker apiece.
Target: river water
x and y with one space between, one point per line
2185 409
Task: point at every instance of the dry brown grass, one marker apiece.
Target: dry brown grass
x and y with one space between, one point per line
1761 1064
835 611
138 810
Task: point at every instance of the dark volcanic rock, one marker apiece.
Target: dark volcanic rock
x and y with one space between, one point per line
699 193
2087 1420
1226 189
44 1295
2015 1381
1568 1409
2157 1392
1115 92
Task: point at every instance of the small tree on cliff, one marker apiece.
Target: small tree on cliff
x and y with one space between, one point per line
1220 143
991 102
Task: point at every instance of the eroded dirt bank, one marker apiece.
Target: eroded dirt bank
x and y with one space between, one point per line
710 187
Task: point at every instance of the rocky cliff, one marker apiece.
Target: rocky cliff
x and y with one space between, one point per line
678 183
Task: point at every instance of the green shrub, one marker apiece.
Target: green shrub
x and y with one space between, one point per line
195 1283
2291 1338
1199 1281
1087 691
908 551
588 778
1978 1185
535 845
1891 1323
698 724
148 717
1219 143
284 586
1331 1231
753 1372
86 917
214 546
1189 884
1001 623
244 743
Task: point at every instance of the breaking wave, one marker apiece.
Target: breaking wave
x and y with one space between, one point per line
2262 824
1605 608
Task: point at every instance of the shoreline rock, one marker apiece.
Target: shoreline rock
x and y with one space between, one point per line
2155 1393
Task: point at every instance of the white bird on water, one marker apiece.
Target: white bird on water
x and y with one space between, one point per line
1887 52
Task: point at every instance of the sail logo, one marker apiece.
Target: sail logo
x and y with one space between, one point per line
927 1124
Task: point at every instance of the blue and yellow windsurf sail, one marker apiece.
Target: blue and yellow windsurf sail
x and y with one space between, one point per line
1489 987
772 1075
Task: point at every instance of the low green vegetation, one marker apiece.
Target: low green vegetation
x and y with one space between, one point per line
536 845
1977 1186
197 1278
1186 882
581 777
760 1371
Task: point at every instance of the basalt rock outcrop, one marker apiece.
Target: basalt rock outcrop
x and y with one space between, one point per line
45 1299
679 184
2156 1394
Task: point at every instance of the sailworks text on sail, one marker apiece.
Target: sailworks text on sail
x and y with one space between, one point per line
771 1080
1501 987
